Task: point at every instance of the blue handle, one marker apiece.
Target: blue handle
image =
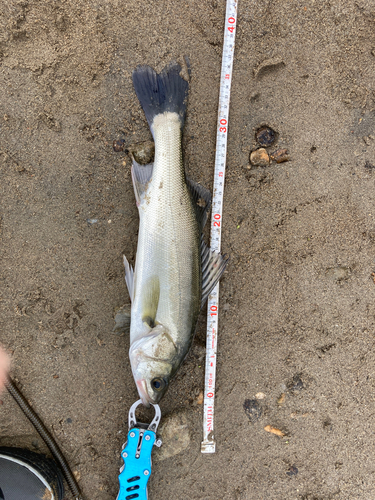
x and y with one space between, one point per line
136 473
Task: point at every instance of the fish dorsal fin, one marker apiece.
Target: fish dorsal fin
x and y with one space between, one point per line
150 300
213 266
141 175
129 278
201 199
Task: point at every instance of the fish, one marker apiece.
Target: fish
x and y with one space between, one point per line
174 270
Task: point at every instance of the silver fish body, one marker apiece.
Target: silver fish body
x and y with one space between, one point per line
166 286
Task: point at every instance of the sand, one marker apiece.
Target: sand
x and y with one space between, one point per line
298 297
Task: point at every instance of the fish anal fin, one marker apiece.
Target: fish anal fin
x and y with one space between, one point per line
213 266
201 198
141 176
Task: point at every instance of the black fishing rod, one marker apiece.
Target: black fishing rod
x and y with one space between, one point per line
46 436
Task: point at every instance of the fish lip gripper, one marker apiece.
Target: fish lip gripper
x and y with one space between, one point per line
136 453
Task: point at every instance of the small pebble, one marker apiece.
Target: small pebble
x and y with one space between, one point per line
293 471
260 395
259 158
142 152
280 155
265 136
175 435
274 430
119 145
252 409
281 399
200 398
91 221
296 384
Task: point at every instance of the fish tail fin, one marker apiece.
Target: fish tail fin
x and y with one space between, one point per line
160 93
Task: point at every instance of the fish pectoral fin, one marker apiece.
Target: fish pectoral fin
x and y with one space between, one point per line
129 278
213 266
141 175
150 300
122 320
201 197
148 321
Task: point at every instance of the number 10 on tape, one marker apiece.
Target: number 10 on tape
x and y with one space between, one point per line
208 443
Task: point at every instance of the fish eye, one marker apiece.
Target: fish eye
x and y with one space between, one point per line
158 384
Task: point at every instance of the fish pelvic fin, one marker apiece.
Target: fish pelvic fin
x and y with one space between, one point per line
129 278
160 93
213 266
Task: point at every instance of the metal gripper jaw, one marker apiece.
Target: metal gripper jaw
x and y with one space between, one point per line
136 453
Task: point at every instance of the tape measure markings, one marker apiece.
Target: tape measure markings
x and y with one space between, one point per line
208 444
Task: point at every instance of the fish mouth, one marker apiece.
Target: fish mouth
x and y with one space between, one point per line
142 391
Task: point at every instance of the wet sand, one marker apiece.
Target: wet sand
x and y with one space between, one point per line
298 297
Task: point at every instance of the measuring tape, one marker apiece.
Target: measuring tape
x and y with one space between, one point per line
208 444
